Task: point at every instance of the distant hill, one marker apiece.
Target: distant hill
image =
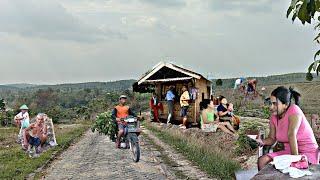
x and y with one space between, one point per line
105 86
22 85
127 84
5 87
270 80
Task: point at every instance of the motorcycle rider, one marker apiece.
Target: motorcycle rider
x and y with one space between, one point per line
119 113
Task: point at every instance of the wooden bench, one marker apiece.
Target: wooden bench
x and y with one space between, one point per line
270 172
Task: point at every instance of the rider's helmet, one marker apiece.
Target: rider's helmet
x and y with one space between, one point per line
123 97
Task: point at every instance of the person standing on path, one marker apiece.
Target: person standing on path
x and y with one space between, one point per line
184 103
22 120
155 106
170 102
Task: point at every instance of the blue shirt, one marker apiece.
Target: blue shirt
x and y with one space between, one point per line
170 96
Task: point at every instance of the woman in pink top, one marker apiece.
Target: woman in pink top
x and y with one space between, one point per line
289 126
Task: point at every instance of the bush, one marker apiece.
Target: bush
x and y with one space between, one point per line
104 124
219 82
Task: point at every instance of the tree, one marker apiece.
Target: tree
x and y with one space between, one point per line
2 105
219 82
305 11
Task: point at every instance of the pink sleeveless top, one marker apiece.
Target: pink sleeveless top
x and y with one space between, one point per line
307 143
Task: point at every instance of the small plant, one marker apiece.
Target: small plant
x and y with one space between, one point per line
104 124
266 112
244 143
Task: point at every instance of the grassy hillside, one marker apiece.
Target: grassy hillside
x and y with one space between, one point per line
310 96
270 80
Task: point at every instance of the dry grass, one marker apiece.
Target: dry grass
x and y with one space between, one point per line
211 152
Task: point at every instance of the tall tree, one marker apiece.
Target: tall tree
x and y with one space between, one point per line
306 12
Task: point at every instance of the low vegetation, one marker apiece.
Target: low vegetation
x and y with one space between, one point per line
207 156
16 164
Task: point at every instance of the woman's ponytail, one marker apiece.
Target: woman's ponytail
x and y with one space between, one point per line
295 95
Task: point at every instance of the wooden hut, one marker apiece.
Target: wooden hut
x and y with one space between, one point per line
164 75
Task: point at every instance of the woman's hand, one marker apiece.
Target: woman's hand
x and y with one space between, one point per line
260 142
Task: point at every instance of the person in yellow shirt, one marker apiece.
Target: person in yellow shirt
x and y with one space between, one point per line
184 103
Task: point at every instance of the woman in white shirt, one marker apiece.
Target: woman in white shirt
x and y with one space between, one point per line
22 120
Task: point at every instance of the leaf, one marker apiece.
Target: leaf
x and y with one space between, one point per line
315 64
289 11
316 54
294 16
310 67
293 3
317 5
317 37
309 77
303 14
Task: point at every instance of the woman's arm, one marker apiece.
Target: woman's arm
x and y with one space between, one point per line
204 117
294 123
217 117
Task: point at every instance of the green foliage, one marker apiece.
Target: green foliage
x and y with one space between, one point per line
315 66
219 82
244 143
104 124
15 164
309 76
270 80
2 105
266 112
305 11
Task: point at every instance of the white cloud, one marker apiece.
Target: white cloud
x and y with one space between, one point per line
48 19
229 38
140 21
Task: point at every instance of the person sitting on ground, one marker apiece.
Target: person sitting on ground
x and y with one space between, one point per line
289 126
37 133
119 113
210 119
225 112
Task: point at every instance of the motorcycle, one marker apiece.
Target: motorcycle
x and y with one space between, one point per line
130 139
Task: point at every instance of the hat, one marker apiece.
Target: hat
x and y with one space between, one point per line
24 107
123 97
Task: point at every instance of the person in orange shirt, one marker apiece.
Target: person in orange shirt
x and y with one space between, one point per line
119 113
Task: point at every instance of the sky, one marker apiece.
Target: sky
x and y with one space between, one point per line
71 41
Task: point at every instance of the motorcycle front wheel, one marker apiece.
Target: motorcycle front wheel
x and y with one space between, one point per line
135 147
